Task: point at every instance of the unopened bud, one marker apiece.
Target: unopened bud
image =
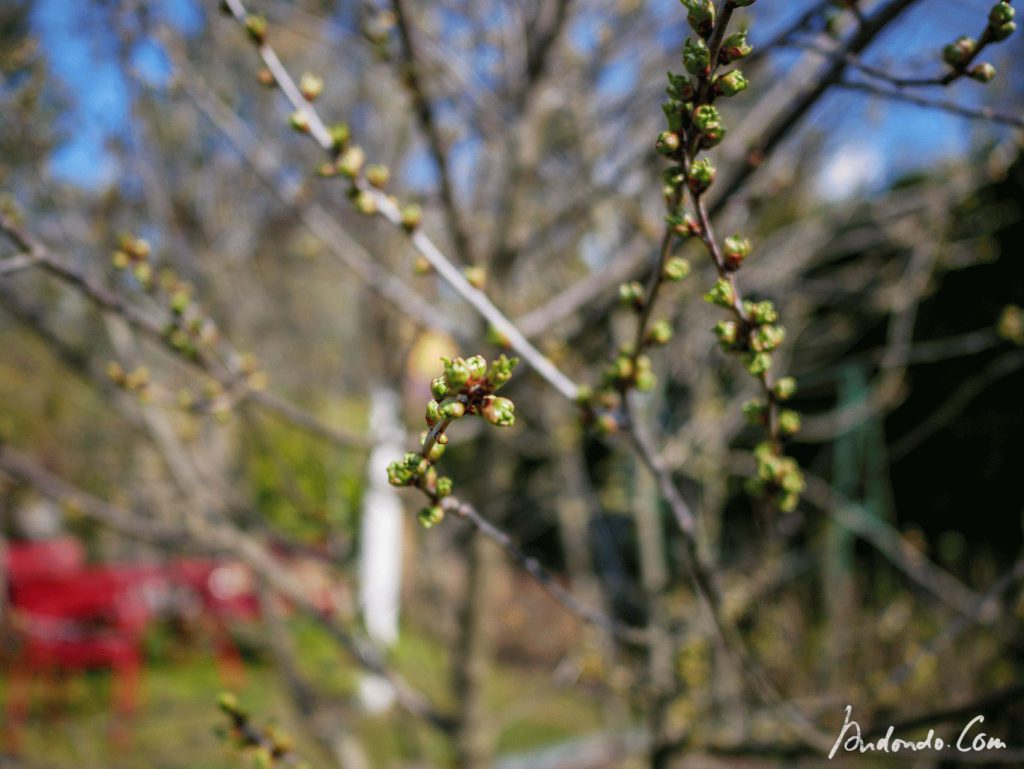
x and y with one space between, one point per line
311 86
675 269
983 73
351 162
476 276
702 174
957 53
366 202
412 216
784 388
299 120
758 363
734 47
430 516
265 77
722 293
256 26
668 143
1000 14
735 249
789 422
378 175
499 411
632 294
696 57
659 333
340 134
731 83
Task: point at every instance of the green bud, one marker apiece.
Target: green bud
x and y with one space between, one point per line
702 174
734 47
436 452
735 249
789 422
767 337
983 73
722 293
414 463
785 388
757 363
680 90
256 26
310 86
366 202
706 116
412 216
351 162
501 371
398 474
1003 31
731 83
1000 14
299 120
433 415
668 143
676 268
439 388
696 57
430 516
477 366
632 294
455 372
701 15
659 333
727 332
499 411
683 225
120 260
708 121
957 53
453 410
644 378
340 135
620 370
760 312
476 276
443 487
377 175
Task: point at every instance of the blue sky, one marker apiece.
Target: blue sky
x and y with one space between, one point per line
82 54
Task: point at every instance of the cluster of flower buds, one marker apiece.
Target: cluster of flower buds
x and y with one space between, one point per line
133 254
960 54
137 381
265 748
629 370
467 387
755 335
778 476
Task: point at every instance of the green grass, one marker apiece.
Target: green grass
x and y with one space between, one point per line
175 725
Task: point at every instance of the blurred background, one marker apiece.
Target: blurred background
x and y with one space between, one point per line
208 357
